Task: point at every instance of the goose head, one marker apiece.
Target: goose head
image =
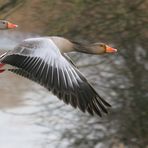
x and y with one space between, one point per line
7 25
95 48
100 48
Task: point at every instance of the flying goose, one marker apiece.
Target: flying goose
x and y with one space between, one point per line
7 25
44 61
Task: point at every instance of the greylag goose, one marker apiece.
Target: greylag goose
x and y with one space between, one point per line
44 61
4 25
7 25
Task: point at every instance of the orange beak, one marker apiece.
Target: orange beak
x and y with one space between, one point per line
110 49
11 26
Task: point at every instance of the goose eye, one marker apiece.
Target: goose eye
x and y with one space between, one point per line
101 45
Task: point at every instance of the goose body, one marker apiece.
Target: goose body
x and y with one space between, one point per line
43 60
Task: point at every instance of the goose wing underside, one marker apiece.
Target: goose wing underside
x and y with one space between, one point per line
41 61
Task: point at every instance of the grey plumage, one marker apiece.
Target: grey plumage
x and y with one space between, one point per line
44 64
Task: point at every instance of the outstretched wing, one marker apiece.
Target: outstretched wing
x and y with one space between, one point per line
40 60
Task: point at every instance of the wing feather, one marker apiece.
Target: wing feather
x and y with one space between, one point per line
45 64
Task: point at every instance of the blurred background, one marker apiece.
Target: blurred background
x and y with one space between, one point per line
31 117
